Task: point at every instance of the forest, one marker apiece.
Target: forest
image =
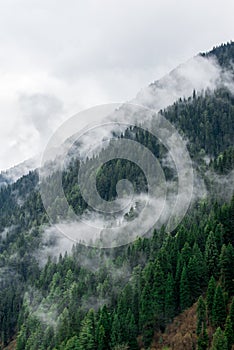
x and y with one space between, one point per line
125 297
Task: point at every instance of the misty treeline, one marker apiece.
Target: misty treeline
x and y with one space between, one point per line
118 298
205 120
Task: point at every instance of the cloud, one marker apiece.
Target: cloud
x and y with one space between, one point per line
197 74
89 53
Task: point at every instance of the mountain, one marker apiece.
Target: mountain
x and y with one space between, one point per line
11 175
57 295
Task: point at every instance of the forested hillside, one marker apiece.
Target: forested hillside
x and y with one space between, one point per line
117 299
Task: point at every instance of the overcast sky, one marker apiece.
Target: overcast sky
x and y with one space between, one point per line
58 57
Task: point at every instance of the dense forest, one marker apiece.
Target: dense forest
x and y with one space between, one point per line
121 298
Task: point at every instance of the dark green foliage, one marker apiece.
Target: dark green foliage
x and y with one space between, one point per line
211 255
87 339
203 340
72 344
135 289
227 268
219 308
228 331
201 315
232 314
170 300
210 296
202 119
223 53
185 296
219 340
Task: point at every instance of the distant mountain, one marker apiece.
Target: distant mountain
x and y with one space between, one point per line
11 175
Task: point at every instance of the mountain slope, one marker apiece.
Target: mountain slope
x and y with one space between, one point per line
101 299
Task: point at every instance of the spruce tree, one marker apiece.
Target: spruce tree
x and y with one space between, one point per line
170 302
219 341
159 294
211 255
131 331
193 270
101 338
185 299
87 334
231 314
115 331
228 331
147 314
72 344
227 268
203 340
103 329
219 308
210 296
201 315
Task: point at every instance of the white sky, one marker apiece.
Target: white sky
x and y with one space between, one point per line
58 57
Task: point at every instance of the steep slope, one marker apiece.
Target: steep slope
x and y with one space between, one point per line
92 299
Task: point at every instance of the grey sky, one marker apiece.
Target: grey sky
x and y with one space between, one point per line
58 57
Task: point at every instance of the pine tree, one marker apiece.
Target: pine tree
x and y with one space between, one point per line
159 293
219 340
201 266
185 299
170 302
201 315
210 296
72 344
231 314
211 255
131 331
101 338
227 268
115 331
229 332
219 308
193 270
103 329
147 314
203 340
64 326
87 333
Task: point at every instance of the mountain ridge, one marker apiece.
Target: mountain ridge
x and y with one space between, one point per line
88 298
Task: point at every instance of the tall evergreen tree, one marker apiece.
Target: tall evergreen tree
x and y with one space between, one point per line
87 334
72 344
194 281
228 331
103 329
227 268
219 308
131 331
231 314
170 301
147 314
210 296
211 255
115 331
201 315
219 340
185 299
203 340
159 294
